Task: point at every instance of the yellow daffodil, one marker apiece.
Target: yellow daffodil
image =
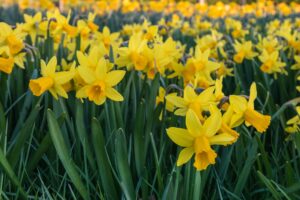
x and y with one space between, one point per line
198 138
243 51
244 111
271 63
31 25
191 100
51 80
296 66
99 83
293 124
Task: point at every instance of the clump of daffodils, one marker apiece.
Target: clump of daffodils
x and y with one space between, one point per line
11 46
208 125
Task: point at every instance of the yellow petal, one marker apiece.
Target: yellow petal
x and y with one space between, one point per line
205 96
63 77
238 103
82 92
86 74
114 77
53 92
189 94
60 91
180 136
253 95
221 139
82 59
51 66
181 111
101 69
113 94
212 124
185 155
236 120
100 100
177 101
193 123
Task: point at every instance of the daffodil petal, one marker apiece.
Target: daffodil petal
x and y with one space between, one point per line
114 77
221 139
212 124
185 155
86 74
180 136
177 101
193 123
113 94
189 94
63 77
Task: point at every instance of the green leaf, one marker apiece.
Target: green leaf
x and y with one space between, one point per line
23 135
10 173
82 133
124 173
104 171
64 154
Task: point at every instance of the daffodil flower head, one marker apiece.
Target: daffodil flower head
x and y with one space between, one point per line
244 111
99 83
51 80
198 138
193 101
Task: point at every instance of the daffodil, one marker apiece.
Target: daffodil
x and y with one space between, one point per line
198 138
243 51
271 63
133 55
31 25
109 39
269 44
51 80
293 124
191 100
296 66
99 83
244 111
161 99
11 45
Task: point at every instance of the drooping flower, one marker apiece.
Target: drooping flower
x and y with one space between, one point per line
244 111
51 80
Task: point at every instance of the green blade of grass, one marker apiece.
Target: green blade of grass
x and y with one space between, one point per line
25 132
11 174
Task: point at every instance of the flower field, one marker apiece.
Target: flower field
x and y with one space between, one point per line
149 100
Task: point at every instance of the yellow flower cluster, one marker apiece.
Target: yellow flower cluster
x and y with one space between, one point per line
186 8
11 46
80 56
209 123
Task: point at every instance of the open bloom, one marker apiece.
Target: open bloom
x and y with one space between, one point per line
191 100
99 83
51 81
243 50
271 63
198 138
244 111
